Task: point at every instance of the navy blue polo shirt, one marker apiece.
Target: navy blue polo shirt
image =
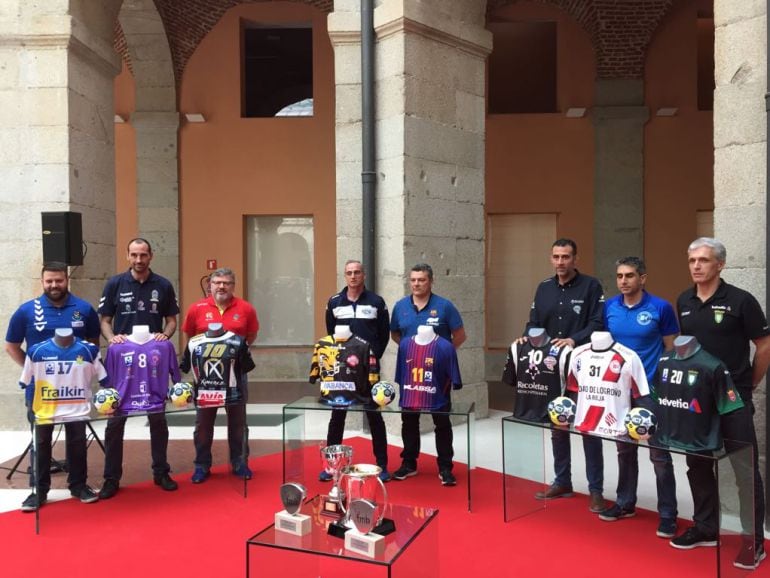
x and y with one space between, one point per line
367 317
131 303
38 319
439 313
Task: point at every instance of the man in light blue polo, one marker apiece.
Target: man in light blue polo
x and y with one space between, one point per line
647 324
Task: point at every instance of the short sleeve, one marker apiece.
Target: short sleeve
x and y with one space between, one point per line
754 320
509 372
17 327
668 323
107 301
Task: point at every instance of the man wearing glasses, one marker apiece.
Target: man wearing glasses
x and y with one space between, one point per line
236 315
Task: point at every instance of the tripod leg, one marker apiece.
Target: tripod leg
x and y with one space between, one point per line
93 435
18 462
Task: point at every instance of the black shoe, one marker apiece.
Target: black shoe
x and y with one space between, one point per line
85 494
404 472
666 528
693 538
165 482
447 478
615 513
32 502
109 489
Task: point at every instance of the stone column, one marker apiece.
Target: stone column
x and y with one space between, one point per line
619 119
57 66
430 86
157 188
740 144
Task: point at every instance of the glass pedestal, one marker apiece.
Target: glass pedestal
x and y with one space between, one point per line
304 432
412 550
527 468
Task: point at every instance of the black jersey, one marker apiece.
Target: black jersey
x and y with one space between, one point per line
691 394
538 374
347 369
219 365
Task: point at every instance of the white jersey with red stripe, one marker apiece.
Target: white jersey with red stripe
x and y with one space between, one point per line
605 380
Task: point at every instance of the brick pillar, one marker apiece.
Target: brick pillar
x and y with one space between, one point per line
57 66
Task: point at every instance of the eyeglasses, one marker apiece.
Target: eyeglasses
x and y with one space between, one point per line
223 283
353 273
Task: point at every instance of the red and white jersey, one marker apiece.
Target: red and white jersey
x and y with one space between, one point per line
605 381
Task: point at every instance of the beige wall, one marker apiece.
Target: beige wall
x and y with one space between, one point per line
544 163
231 167
679 153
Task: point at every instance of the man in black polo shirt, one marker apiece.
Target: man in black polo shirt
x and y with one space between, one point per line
570 306
367 316
725 319
137 297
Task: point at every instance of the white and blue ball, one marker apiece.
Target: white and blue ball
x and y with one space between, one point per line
561 410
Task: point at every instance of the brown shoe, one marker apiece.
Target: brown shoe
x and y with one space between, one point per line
554 492
597 503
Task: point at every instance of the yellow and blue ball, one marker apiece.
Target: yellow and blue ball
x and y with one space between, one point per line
106 400
384 392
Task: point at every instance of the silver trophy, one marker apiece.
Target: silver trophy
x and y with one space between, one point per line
336 458
292 496
363 514
291 520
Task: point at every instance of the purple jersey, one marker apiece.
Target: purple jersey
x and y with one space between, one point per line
426 373
140 372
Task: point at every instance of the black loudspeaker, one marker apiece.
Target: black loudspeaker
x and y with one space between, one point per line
63 237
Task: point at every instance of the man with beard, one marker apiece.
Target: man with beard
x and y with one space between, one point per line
239 317
32 323
137 297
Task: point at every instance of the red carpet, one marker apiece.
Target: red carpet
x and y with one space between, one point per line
200 531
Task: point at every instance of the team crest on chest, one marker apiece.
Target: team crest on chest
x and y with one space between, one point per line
692 377
644 318
718 316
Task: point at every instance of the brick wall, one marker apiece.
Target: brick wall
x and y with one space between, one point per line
188 21
620 30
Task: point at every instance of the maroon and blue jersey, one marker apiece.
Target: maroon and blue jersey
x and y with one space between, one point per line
427 373
140 372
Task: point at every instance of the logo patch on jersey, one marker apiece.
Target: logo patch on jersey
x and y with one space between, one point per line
577 309
50 368
664 375
644 318
718 316
695 406
154 295
610 419
209 315
554 350
428 362
550 362
692 376
236 317
433 313
731 395
428 376
214 368
352 361
40 321
613 370
128 360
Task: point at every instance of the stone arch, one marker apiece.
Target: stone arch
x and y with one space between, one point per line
155 122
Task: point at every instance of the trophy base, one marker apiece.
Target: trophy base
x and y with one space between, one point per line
297 524
370 545
387 526
331 507
337 529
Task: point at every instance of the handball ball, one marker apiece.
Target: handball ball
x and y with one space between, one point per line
641 423
181 394
561 410
383 392
106 400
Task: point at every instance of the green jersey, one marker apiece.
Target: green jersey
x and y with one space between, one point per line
691 393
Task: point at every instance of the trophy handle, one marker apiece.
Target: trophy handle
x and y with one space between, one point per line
384 501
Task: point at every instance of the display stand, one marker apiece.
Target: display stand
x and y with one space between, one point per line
93 417
527 469
412 550
300 465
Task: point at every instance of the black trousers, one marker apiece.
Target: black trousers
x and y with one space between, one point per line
703 485
410 433
113 445
377 426
77 455
738 426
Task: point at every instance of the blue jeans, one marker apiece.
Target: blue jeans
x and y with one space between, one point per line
628 477
592 446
